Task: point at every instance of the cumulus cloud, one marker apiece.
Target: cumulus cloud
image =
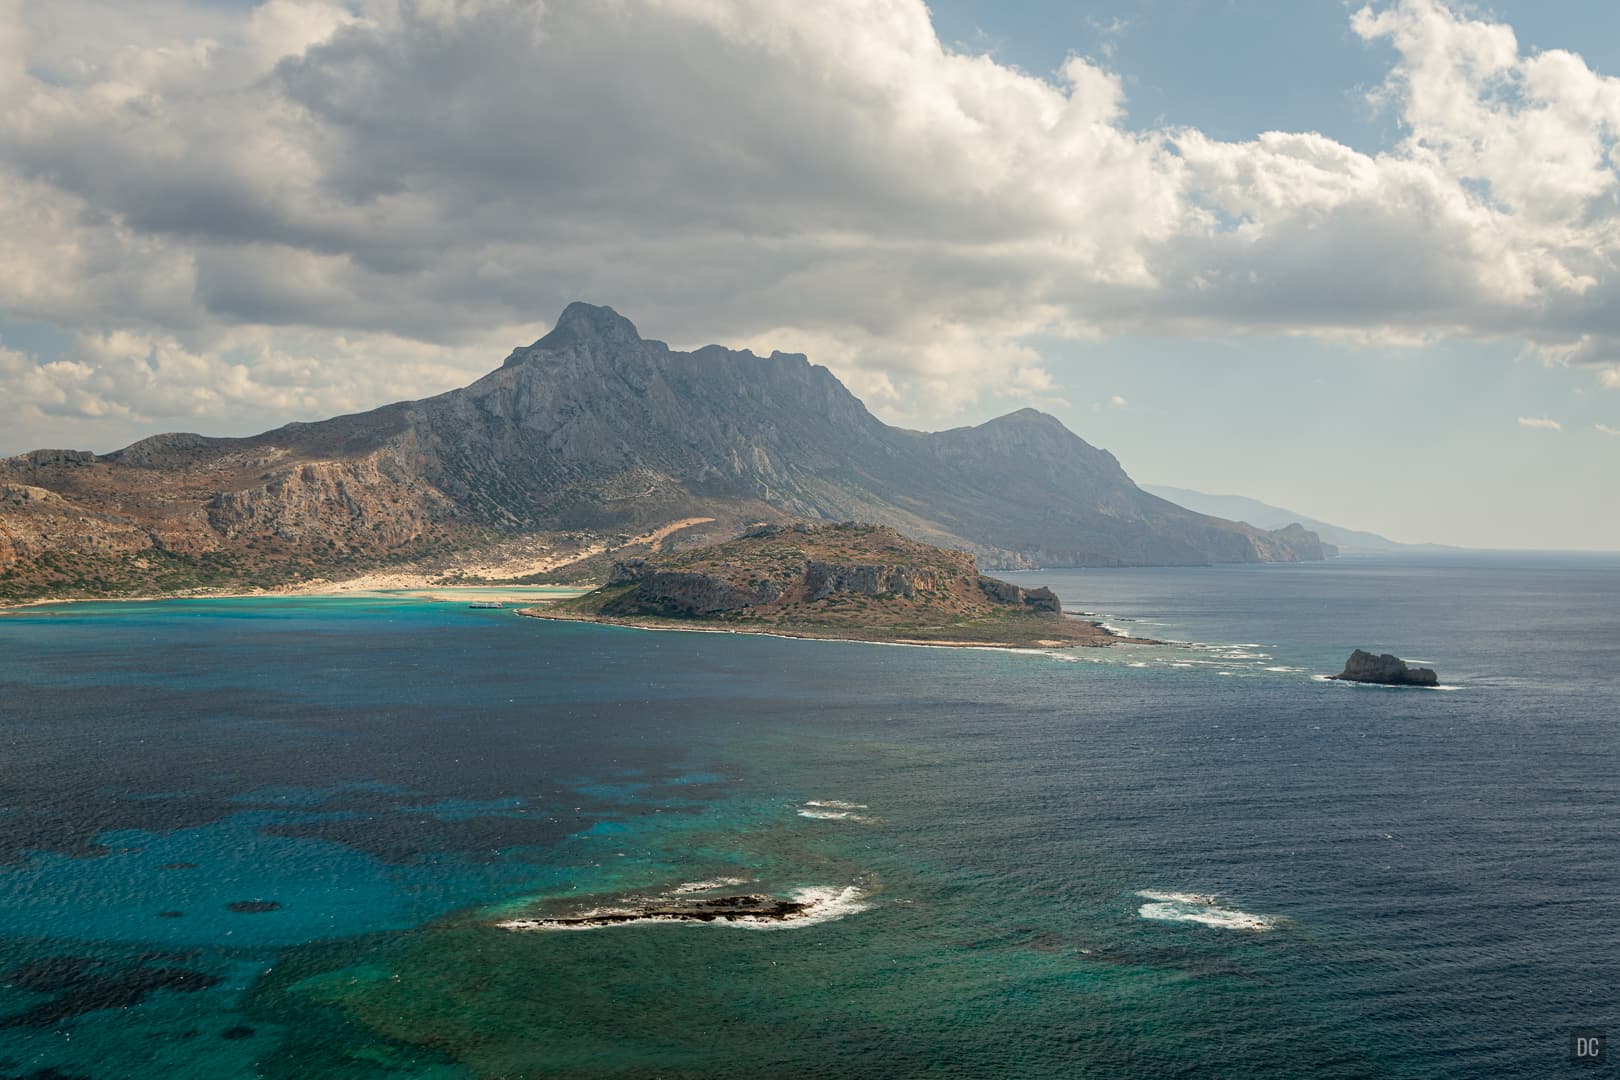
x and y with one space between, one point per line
281 206
1541 423
1605 429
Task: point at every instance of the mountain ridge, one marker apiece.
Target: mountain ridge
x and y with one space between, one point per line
591 429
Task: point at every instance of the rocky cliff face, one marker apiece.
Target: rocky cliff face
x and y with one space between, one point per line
595 428
789 572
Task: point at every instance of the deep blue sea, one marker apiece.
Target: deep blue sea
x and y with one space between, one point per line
275 837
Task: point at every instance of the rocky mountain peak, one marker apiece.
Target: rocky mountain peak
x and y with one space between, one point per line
590 327
589 322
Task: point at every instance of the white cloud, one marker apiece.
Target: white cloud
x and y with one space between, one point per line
1540 422
1606 429
1117 402
312 203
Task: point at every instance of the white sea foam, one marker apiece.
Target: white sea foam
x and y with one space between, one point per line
1354 685
834 810
826 903
833 815
1200 908
707 886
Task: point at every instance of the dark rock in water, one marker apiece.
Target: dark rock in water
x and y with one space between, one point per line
716 909
251 907
171 914
1386 669
178 866
240 1031
681 907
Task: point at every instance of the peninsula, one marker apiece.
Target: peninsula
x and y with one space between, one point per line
847 581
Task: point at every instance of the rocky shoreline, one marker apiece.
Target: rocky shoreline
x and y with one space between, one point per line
1072 633
756 910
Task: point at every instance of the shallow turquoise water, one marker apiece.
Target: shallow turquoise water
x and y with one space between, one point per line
374 782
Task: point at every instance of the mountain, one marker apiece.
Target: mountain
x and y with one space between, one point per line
1265 516
590 430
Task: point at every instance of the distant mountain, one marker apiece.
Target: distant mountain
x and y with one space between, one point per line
589 429
1265 516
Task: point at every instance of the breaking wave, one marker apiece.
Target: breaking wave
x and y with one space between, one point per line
1203 909
834 810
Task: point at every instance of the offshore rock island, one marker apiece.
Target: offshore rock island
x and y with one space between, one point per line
1386 670
847 581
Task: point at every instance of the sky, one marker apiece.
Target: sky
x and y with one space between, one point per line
1356 259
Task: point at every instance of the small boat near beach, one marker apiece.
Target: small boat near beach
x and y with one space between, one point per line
486 604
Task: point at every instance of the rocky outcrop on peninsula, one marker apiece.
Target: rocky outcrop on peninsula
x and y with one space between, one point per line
592 429
1386 669
850 580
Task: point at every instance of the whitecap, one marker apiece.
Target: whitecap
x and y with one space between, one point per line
833 815
834 810
1200 908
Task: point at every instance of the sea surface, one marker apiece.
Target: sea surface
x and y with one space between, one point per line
276 837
